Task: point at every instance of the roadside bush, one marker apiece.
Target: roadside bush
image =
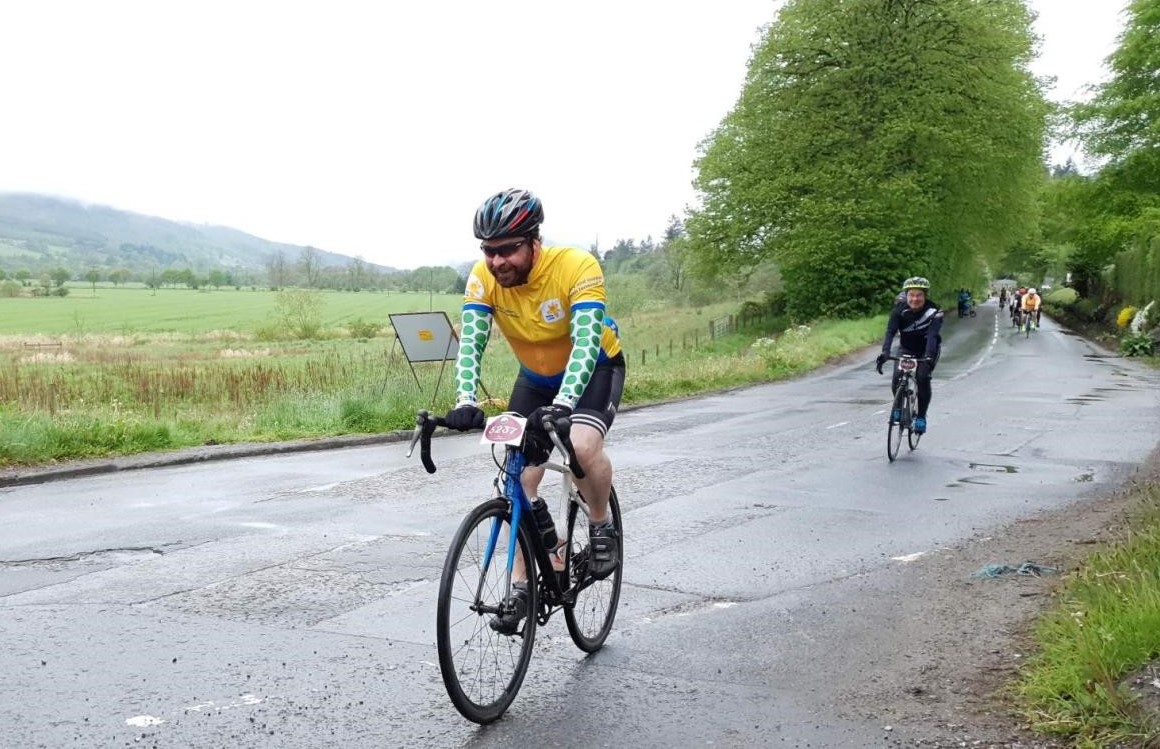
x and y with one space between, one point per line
1062 296
1137 344
1087 310
9 289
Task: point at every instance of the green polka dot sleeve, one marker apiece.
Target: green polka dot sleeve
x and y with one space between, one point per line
587 325
472 340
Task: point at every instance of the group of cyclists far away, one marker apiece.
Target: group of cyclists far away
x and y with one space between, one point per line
1023 305
549 303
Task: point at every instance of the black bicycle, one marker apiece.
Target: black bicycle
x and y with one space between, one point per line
904 410
483 669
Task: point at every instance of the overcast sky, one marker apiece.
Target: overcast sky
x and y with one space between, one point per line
375 129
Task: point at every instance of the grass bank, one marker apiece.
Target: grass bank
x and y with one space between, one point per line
101 394
1104 627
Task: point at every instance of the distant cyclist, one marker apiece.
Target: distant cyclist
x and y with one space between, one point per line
917 322
1016 305
1031 304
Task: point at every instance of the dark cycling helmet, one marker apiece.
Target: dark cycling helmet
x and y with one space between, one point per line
511 213
916 282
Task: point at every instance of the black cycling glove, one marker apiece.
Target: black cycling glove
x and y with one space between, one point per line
881 360
555 412
464 418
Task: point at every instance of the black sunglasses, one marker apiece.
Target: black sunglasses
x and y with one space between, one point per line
504 250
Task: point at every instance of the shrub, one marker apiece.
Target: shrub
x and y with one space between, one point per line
362 329
1137 344
1088 311
1125 317
1061 296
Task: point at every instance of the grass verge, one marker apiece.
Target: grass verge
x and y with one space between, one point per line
104 397
1105 626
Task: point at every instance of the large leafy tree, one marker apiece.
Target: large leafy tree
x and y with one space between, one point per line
1121 123
875 139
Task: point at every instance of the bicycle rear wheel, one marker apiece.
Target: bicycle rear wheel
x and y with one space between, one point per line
482 669
894 430
590 617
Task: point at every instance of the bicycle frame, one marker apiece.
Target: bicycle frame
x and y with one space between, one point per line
508 485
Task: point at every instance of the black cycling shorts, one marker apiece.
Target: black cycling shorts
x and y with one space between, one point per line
597 406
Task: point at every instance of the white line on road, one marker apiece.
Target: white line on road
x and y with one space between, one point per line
839 424
909 557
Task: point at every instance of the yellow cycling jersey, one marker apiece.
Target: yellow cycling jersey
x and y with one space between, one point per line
1030 302
534 317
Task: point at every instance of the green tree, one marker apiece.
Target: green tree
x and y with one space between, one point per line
59 276
217 278
92 276
120 276
892 138
1121 123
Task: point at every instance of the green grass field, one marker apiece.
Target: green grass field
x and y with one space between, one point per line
189 312
127 370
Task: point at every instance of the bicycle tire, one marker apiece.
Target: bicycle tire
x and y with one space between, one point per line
482 669
591 614
912 437
894 430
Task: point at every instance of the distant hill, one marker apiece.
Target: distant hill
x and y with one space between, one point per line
39 233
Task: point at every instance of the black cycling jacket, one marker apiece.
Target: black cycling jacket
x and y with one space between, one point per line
918 330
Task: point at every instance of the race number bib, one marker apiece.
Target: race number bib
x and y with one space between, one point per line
505 429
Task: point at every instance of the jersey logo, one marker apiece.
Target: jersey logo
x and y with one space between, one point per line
552 310
474 287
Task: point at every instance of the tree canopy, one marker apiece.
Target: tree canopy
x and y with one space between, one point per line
874 140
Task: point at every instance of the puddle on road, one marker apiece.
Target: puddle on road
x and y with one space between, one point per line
993 468
1083 400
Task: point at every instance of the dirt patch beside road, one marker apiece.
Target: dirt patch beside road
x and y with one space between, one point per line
942 644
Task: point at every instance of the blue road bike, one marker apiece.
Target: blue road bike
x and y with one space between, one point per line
483 669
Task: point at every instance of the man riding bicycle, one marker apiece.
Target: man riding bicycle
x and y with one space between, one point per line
1030 305
549 303
917 322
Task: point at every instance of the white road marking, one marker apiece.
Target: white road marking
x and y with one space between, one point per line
909 557
839 424
143 721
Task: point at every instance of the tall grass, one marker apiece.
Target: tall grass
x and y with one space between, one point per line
91 394
1106 625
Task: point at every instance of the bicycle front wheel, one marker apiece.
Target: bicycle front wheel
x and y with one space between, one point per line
894 430
590 617
912 437
482 669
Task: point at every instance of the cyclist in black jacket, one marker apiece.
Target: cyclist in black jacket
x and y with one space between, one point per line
917 322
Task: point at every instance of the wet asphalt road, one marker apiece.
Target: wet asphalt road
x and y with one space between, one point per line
289 601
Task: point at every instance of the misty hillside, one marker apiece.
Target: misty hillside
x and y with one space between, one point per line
39 233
